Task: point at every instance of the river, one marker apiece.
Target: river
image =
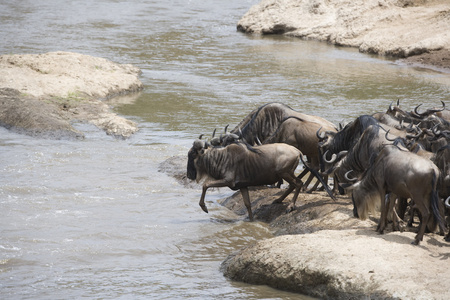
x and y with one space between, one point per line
95 218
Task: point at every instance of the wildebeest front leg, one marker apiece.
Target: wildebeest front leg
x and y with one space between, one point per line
202 199
206 186
247 203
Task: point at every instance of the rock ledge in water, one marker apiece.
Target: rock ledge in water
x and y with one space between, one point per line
398 28
41 94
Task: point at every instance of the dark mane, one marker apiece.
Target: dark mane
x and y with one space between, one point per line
262 122
348 136
363 148
231 155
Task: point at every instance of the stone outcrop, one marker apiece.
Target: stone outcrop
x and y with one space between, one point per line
43 94
398 28
346 264
323 251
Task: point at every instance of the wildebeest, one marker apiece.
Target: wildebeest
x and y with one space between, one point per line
344 139
404 174
300 133
240 165
273 122
447 207
264 121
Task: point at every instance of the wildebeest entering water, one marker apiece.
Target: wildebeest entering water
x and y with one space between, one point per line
240 165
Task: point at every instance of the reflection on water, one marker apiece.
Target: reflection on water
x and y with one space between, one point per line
95 218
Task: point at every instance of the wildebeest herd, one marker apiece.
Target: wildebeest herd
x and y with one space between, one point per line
392 160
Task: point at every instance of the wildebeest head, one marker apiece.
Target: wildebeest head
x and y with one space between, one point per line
198 148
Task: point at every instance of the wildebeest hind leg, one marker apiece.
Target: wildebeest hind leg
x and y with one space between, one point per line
285 194
424 212
248 204
291 206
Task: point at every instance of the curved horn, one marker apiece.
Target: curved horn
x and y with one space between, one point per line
387 138
332 159
342 154
234 136
432 111
398 102
390 107
348 178
226 127
214 133
200 136
258 141
416 108
320 135
412 136
435 130
242 136
447 202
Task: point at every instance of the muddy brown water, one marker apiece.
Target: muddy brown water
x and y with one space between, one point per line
95 218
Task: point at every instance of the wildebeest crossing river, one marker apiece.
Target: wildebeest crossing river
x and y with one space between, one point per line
95 218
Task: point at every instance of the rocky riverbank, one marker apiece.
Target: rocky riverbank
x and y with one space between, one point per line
418 30
44 94
321 250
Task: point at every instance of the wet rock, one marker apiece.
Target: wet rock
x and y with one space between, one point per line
57 88
34 117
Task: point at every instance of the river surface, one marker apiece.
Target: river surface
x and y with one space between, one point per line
95 218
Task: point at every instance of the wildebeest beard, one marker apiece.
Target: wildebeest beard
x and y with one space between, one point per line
191 170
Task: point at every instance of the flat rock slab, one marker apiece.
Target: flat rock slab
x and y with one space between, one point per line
347 264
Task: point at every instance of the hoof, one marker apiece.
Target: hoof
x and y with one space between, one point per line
290 209
278 201
204 208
